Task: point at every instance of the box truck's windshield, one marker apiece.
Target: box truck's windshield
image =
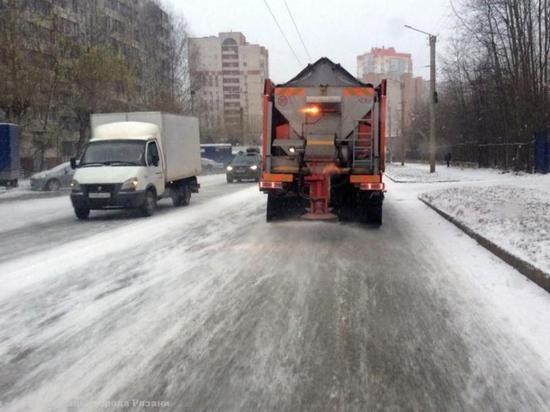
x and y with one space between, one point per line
114 153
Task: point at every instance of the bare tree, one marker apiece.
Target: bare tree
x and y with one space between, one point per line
101 81
495 93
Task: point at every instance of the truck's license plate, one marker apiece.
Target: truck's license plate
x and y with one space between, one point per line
99 195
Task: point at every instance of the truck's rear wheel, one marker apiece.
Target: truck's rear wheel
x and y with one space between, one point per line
274 208
374 214
82 213
185 195
149 204
181 196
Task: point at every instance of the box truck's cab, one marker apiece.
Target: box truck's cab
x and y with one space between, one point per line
122 167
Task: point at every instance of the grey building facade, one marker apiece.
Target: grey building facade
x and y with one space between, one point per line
137 30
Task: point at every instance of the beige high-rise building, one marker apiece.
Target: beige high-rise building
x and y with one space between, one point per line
227 79
404 91
384 61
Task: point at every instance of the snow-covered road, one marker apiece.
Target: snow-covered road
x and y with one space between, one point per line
210 308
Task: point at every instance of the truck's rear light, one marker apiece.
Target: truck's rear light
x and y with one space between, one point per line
271 185
372 186
311 110
365 179
277 177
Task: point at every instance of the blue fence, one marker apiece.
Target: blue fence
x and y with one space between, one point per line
542 151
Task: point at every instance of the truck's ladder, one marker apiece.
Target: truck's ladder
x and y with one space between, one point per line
363 150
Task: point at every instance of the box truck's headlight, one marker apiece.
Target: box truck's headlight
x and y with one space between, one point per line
254 167
130 184
229 168
75 186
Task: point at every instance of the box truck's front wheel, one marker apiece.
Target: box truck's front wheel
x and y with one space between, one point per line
149 204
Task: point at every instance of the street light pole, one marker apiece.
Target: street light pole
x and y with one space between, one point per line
403 146
192 102
433 40
433 96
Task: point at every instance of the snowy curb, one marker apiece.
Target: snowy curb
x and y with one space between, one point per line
390 177
535 274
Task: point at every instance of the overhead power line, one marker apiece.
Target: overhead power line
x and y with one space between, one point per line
283 33
298 31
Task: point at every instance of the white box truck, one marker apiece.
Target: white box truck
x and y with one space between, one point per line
134 159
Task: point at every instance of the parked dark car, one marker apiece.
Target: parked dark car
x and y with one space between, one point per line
53 179
244 166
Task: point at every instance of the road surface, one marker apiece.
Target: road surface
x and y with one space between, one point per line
210 308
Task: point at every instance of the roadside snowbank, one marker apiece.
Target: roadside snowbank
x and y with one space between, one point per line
514 218
24 187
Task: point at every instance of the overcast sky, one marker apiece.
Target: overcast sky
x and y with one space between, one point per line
338 29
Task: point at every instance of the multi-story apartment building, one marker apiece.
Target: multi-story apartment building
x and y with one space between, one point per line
405 92
384 61
227 77
137 30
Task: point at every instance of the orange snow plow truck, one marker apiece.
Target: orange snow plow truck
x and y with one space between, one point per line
323 146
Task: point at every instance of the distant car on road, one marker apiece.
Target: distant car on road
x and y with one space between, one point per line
244 166
53 179
211 166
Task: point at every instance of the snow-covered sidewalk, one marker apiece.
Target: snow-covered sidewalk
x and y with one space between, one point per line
503 211
420 173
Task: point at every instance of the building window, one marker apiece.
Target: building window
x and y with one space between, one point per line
229 42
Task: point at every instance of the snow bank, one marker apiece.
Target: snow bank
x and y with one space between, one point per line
23 188
515 218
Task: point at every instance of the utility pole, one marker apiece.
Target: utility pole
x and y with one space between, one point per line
390 138
192 102
403 149
241 121
433 95
433 98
